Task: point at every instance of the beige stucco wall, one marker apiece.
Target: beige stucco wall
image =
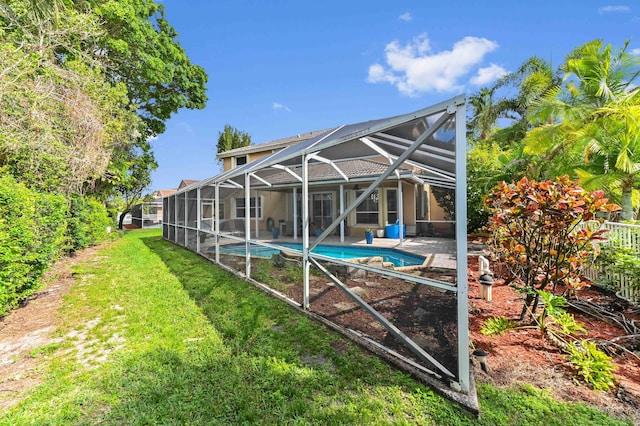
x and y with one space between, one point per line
229 162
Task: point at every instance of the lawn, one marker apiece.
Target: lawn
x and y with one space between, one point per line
151 333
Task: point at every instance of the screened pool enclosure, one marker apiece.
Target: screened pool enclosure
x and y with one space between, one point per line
270 221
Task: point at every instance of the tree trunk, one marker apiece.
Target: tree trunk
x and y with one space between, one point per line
627 206
121 220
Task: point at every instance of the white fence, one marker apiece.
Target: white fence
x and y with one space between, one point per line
619 235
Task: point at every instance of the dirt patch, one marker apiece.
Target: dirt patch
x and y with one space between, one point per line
30 327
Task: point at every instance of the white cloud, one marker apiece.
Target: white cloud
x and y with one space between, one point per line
278 106
487 75
415 68
405 17
613 9
635 52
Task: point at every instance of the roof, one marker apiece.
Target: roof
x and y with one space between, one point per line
272 145
165 192
186 182
426 140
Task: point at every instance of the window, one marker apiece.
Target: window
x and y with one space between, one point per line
241 160
392 205
367 211
207 209
252 205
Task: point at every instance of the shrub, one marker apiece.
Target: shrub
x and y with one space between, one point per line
621 263
88 222
497 325
32 234
537 233
592 364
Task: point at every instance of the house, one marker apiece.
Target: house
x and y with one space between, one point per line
420 210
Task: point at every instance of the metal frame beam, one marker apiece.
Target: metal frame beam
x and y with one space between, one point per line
392 167
395 331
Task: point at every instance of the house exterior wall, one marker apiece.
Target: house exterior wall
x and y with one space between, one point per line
230 162
278 205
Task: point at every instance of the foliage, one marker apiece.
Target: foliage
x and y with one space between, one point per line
561 328
592 364
84 86
497 325
32 229
554 319
158 74
61 120
82 96
485 168
590 123
536 232
232 138
620 262
88 222
510 100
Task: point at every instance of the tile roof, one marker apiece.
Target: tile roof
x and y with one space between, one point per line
165 192
186 182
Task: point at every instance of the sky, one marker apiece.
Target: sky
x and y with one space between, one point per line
278 68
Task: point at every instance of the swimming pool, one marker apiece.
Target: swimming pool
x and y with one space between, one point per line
397 257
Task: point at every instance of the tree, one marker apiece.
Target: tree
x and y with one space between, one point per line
61 121
510 100
232 138
157 72
537 233
484 115
591 121
135 176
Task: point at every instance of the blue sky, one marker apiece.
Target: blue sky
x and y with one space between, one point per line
281 67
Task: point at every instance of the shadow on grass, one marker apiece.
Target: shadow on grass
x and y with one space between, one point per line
274 366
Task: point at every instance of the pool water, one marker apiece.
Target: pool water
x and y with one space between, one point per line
397 257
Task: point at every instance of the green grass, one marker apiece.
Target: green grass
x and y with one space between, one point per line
165 337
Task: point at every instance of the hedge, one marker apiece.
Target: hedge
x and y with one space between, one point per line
32 234
35 229
88 222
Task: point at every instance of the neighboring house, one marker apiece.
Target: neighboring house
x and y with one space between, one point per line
186 182
161 193
149 214
420 210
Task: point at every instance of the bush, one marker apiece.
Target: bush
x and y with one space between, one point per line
622 263
88 222
592 364
32 234
537 233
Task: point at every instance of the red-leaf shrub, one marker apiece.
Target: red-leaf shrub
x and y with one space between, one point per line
537 233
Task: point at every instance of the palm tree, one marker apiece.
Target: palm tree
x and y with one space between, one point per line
531 80
595 113
484 114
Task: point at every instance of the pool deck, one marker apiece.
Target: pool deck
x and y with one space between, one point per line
440 252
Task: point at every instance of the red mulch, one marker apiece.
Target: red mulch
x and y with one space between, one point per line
523 356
